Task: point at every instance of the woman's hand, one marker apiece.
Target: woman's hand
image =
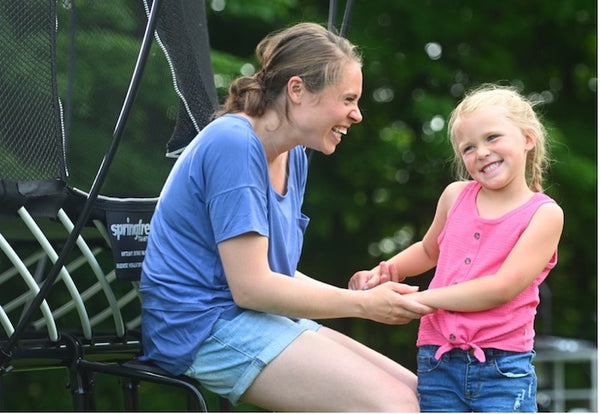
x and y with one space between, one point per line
388 304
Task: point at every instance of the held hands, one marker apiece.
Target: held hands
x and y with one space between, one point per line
367 279
390 303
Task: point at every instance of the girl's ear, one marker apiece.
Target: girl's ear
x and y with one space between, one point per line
295 88
530 139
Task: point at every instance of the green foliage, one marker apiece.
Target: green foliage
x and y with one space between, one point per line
265 10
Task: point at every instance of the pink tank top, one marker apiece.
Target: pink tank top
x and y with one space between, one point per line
470 247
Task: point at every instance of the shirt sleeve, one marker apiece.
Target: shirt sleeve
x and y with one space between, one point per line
236 181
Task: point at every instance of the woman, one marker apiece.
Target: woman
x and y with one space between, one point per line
222 299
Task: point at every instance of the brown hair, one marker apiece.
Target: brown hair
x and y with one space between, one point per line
307 50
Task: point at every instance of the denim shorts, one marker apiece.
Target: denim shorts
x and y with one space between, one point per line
458 382
236 351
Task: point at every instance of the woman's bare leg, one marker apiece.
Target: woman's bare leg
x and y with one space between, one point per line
388 365
328 371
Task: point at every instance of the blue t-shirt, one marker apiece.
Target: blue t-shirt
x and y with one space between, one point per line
219 188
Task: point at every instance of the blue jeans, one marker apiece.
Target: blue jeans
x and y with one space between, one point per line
458 382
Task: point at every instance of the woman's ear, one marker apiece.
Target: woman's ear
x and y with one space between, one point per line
295 88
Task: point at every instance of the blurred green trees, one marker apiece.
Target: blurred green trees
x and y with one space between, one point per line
377 193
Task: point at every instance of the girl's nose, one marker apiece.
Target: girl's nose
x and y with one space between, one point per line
482 151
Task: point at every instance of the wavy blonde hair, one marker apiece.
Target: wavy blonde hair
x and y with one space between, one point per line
519 110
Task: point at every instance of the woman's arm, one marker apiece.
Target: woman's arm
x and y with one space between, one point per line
301 276
526 261
255 286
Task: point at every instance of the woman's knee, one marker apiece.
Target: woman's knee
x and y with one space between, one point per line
396 397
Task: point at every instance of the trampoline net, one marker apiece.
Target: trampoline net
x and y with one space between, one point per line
29 150
183 35
51 52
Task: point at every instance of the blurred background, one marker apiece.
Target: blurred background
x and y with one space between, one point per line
377 193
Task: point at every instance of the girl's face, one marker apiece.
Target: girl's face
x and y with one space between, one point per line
324 118
493 149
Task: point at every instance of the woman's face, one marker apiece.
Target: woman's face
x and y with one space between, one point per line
325 117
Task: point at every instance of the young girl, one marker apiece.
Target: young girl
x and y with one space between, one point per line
493 239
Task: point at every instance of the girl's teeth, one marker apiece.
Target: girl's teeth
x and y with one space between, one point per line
491 167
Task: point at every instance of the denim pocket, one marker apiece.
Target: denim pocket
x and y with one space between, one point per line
517 365
426 361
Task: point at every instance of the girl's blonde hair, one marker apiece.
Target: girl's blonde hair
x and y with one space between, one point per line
518 110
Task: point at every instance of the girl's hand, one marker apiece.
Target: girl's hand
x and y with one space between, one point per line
389 272
359 280
368 279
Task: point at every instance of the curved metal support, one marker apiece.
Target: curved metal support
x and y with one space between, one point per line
33 288
100 276
37 232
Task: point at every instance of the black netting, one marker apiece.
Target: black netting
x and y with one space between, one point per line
183 35
31 138
86 59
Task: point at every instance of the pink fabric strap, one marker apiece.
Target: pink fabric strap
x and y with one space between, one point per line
477 351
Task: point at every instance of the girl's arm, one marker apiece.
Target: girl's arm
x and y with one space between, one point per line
255 286
417 258
526 261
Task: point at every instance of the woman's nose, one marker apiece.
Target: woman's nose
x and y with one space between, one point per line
356 115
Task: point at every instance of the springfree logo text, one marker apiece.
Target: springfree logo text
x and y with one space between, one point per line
138 231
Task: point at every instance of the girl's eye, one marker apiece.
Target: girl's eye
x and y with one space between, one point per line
467 149
493 137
